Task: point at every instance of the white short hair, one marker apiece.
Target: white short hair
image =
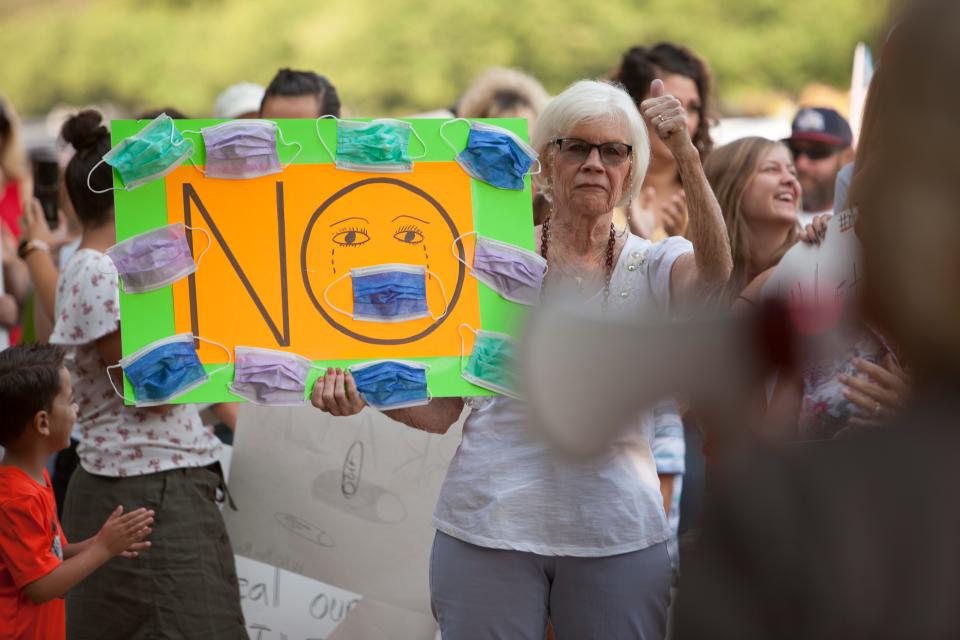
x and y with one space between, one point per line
592 100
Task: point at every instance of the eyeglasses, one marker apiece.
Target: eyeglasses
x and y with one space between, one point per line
576 151
819 152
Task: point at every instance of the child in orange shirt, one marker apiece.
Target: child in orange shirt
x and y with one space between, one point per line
37 565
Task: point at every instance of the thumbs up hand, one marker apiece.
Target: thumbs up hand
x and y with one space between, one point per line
666 116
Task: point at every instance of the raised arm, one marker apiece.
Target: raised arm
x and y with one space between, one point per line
336 393
711 263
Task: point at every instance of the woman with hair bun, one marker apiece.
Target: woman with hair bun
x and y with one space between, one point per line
185 585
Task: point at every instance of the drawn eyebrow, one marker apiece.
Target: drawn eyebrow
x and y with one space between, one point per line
403 215
333 224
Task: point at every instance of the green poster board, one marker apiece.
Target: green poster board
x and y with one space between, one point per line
306 187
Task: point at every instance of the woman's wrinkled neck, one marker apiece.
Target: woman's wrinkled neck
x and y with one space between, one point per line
580 233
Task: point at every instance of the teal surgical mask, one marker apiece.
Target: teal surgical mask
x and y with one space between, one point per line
493 362
152 153
378 146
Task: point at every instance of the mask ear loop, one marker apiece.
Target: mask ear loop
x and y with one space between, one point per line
227 351
294 143
453 247
422 144
209 242
113 384
316 125
326 297
539 168
443 292
447 140
90 186
192 162
463 343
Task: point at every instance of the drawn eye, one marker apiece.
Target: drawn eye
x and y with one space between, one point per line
351 237
409 235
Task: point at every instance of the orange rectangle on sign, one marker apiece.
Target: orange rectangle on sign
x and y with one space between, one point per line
277 271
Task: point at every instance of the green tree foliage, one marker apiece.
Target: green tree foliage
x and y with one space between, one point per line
402 56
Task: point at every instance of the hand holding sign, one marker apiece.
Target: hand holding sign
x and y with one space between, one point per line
665 115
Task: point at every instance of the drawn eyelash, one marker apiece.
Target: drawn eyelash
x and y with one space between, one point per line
353 236
409 234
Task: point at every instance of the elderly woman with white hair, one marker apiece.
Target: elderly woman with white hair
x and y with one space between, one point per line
524 534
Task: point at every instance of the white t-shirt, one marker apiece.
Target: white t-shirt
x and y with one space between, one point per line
505 489
116 440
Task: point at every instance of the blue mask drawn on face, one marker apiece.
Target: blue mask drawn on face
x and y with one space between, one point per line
391 384
164 369
152 153
389 293
378 146
494 155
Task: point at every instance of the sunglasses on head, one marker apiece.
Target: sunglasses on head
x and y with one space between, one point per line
818 152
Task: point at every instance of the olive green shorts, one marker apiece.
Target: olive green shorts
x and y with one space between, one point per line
184 586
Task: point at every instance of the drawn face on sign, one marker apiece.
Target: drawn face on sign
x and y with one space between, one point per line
373 222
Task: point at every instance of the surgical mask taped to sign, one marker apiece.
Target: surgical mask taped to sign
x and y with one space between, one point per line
270 377
391 384
514 273
379 146
493 362
164 369
494 155
156 258
243 149
152 153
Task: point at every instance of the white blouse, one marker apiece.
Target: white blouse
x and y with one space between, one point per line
505 489
116 440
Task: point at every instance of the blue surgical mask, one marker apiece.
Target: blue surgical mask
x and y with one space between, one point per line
151 153
241 149
493 363
164 370
391 384
378 146
389 293
494 155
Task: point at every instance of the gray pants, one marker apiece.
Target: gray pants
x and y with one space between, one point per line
493 594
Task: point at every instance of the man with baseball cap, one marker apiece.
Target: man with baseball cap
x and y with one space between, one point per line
821 142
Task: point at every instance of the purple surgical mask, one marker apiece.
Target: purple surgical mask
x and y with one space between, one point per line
154 259
514 273
242 149
268 377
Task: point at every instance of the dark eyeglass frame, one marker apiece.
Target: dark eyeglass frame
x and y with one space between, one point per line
599 147
815 153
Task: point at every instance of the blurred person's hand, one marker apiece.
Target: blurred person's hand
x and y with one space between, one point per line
642 217
665 115
9 249
675 215
35 227
9 311
879 391
815 232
